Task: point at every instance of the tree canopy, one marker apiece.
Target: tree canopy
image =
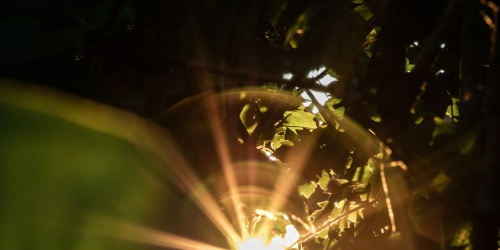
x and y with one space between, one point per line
375 122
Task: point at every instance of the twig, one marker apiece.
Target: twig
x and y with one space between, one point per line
331 222
322 111
250 75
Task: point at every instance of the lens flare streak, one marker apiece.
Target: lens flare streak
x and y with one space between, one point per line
201 195
132 232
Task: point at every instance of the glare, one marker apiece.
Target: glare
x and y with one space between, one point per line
314 73
442 45
320 96
327 79
277 242
287 76
416 43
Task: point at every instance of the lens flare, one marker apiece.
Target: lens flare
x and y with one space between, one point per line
278 241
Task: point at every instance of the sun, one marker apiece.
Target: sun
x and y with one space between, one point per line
263 241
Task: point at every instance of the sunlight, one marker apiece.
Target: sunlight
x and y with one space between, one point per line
137 233
287 76
278 242
322 97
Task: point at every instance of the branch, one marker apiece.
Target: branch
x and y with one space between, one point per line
241 74
332 221
486 221
322 110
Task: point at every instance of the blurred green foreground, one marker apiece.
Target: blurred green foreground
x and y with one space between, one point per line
79 175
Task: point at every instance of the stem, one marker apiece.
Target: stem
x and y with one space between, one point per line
330 222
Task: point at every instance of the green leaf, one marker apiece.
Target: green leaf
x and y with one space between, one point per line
324 179
69 178
409 67
332 101
440 182
279 140
364 11
299 119
364 174
443 127
307 189
452 110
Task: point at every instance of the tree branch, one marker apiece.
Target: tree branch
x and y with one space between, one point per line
332 221
486 221
241 74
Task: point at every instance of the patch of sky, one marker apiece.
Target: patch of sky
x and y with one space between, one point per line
322 97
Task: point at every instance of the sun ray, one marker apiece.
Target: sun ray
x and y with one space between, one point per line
109 120
287 179
124 230
202 197
225 158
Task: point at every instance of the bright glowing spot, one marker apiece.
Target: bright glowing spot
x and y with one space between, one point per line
327 79
320 96
277 242
287 76
315 73
268 153
442 45
265 213
441 71
416 43
272 158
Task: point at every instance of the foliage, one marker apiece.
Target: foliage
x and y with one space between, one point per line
401 155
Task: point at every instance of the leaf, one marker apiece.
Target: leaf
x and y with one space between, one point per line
363 174
452 110
324 179
65 176
307 189
443 127
299 119
276 141
409 67
440 182
364 11
352 217
338 112
332 101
